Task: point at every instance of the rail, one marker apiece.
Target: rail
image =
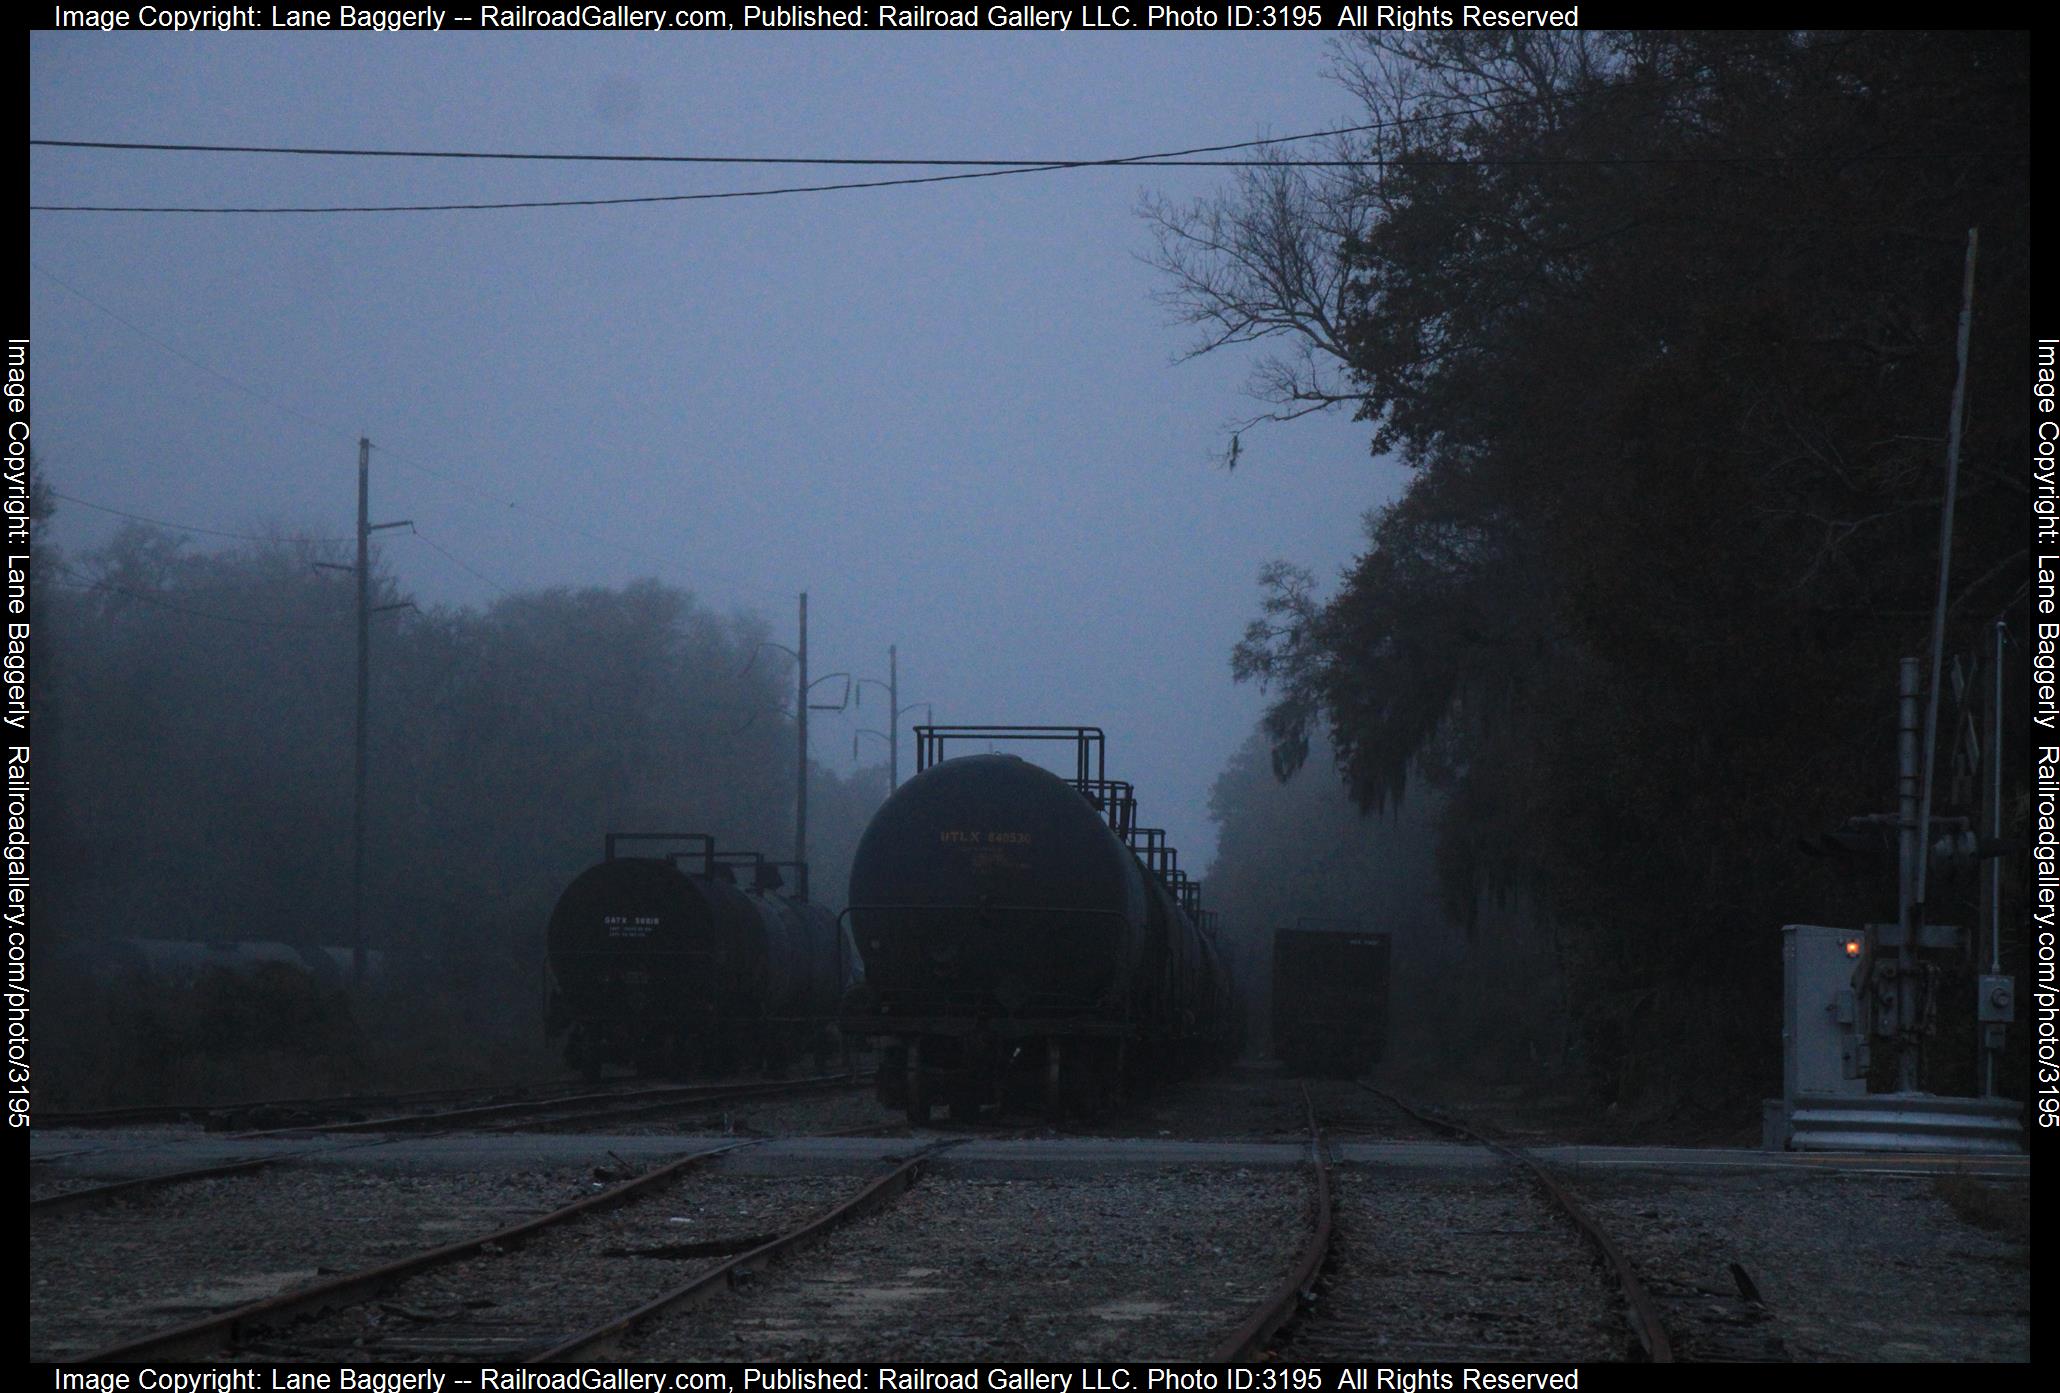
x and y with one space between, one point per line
202 1338
1248 1341
605 1342
1645 1319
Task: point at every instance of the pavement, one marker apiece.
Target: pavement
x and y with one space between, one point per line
99 1156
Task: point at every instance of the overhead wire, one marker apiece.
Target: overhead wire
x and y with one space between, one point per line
987 169
407 459
188 527
89 583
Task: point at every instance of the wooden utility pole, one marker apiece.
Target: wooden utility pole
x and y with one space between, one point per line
357 839
366 527
801 754
893 722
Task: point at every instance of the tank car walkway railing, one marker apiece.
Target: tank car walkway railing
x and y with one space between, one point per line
1090 747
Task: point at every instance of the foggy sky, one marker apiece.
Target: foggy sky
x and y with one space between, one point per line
950 413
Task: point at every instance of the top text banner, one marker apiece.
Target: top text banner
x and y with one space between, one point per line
517 18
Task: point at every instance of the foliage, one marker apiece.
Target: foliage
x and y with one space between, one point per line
195 715
1665 326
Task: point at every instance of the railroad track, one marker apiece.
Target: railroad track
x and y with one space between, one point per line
574 1110
144 1114
1252 1337
475 1300
231 1331
557 1114
1459 1267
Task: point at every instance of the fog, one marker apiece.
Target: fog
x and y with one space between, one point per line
951 413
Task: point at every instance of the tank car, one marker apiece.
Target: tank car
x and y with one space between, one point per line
176 997
1330 997
1015 942
666 964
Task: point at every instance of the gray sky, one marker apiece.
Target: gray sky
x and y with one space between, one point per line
951 413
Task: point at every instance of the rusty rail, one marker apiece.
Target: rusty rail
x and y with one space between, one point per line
67 1200
202 1338
605 1342
1249 1340
606 1104
145 1113
1645 1320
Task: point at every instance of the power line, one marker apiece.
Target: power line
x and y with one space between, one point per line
109 587
477 575
253 393
1010 167
1372 162
401 457
347 152
621 201
1443 113
187 527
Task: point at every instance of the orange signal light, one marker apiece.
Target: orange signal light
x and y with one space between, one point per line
1852 948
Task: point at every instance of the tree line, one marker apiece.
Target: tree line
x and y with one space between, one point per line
1663 326
194 764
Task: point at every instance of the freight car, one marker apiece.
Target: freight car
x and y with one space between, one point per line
1022 936
666 964
1330 997
168 999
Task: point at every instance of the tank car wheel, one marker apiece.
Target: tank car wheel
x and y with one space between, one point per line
1094 1083
890 1080
1054 1084
916 1092
916 1104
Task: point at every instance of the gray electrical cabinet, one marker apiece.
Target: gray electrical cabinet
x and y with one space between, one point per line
1821 1037
1823 1041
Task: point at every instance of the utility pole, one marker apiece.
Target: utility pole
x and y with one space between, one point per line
801 759
366 527
802 707
357 837
895 711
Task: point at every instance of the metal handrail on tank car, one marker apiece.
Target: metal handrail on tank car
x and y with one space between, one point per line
609 840
975 1001
1116 800
930 742
1149 844
1163 861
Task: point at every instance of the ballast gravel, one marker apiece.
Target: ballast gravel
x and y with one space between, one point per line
1123 1267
